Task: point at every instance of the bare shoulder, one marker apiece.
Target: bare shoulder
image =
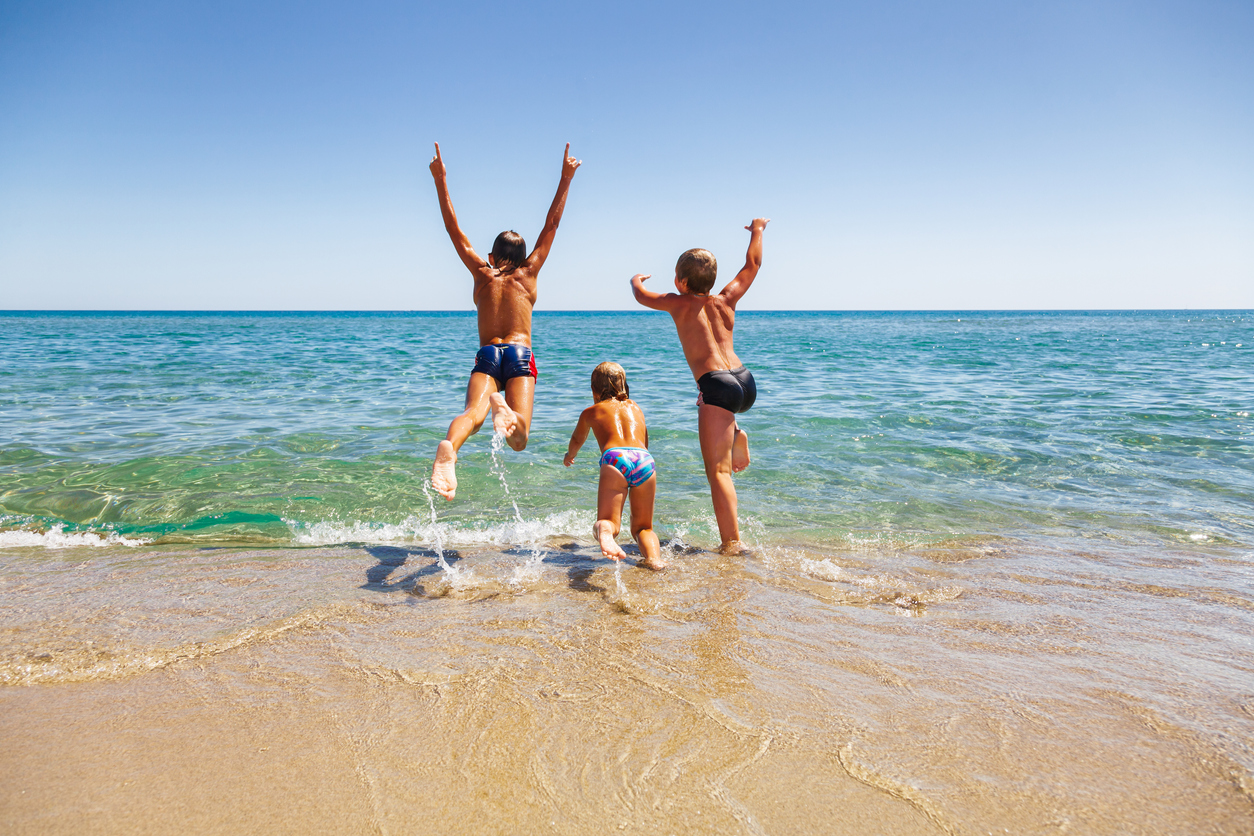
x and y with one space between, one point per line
723 305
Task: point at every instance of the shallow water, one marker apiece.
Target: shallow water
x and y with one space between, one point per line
1001 578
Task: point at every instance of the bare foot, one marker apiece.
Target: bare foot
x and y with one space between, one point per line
656 563
740 451
504 420
444 474
650 550
605 535
732 547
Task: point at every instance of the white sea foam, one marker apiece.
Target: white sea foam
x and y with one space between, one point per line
58 538
824 570
416 531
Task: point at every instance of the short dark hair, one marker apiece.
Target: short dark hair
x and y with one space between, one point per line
698 268
509 246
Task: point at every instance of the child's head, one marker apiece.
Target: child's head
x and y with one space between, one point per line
697 269
509 250
609 381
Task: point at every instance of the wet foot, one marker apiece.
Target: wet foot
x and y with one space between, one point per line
732 547
504 420
740 451
444 474
656 563
605 536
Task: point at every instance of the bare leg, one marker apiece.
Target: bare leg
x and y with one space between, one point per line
717 430
611 493
444 473
511 414
740 450
642 524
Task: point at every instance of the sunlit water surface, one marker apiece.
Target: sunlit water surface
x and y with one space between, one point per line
1001 577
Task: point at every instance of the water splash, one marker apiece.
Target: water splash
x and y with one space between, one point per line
498 467
530 570
437 537
618 579
676 545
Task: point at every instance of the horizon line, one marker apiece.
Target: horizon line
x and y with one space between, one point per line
632 311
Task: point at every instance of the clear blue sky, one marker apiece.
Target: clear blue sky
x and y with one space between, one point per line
912 155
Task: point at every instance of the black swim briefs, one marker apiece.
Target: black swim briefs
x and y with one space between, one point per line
733 390
505 361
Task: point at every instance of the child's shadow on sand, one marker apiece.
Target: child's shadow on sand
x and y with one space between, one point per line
392 558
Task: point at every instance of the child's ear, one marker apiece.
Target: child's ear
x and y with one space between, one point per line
492 259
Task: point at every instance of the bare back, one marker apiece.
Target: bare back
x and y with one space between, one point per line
705 324
617 424
504 301
705 321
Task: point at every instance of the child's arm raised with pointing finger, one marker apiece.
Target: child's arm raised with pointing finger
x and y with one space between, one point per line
753 262
545 242
460 242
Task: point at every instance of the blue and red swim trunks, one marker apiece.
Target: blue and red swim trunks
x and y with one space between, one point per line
505 361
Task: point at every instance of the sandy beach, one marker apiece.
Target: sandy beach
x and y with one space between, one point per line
934 692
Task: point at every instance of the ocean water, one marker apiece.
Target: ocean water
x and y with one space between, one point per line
903 428
1001 577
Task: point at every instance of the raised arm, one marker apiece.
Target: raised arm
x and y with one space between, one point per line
460 242
753 262
541 252
577 438
656 301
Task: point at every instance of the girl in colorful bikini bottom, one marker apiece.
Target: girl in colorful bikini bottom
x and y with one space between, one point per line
627 468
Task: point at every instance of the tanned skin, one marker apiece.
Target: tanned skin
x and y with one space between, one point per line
619 424
504 295
705 323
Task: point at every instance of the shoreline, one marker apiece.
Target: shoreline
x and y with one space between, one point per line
356 689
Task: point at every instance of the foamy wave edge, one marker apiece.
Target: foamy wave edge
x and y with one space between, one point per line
57 537
413 531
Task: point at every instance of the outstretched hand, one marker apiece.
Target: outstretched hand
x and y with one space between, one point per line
643 277
569 163
437 165
756 225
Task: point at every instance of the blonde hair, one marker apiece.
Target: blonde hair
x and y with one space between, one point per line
698 268
609 381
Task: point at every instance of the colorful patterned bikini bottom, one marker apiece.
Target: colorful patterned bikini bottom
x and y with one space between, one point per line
635 463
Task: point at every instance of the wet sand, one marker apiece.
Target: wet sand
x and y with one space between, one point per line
355 689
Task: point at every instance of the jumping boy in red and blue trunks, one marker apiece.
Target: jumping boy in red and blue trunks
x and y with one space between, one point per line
504 375
705 324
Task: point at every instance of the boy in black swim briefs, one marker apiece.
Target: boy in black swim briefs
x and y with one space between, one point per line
504 374
705 324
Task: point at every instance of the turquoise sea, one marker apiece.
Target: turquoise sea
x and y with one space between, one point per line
915 428
999 579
